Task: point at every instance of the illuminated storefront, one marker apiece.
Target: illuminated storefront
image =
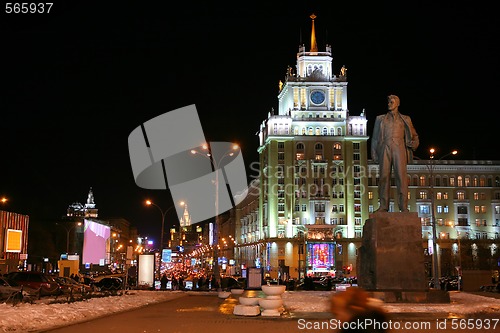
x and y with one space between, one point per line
321 259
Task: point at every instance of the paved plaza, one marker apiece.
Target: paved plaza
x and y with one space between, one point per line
202 312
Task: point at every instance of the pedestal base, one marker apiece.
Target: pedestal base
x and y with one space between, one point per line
391 257
270 313
246 310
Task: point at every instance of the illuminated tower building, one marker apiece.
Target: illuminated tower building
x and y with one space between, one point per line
312 155
76 209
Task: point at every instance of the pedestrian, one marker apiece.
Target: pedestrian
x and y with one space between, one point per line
356 312
201 282
393 141
163 282
174 282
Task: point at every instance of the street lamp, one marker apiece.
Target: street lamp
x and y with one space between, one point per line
216 163
459 268
68 230
163 214
430 167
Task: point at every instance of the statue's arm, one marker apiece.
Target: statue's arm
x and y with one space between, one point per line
375 136
414 136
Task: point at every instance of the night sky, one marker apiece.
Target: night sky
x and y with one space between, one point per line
78 80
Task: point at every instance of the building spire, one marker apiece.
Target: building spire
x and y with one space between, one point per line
314 45
185 220
90 199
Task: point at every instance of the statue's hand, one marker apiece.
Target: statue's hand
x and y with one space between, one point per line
412 145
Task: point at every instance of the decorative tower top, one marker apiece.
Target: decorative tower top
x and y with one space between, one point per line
185 220
90 200
90 210
314 45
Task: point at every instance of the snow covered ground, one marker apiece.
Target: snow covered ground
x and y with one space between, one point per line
25 317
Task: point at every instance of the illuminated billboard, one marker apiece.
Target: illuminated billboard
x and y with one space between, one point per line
14 240
321 256
95 239
146 270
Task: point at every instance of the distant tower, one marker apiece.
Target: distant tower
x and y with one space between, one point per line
90 210
185 220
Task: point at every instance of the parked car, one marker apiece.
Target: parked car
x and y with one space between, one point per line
9 289
229 282
108 283
68 284
323 283
37 281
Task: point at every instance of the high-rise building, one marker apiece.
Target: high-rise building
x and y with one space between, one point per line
311 153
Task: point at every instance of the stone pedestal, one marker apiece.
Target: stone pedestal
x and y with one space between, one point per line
391 260
391 254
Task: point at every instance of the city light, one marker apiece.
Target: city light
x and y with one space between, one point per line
163 214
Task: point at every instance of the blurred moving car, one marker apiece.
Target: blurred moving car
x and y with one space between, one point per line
9 289
68 284
108 283
36 281
323 283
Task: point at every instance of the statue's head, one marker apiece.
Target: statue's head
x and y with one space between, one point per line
396 99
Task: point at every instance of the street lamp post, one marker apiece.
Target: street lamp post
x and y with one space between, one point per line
216 164
430 167
459 269
163 214
68 230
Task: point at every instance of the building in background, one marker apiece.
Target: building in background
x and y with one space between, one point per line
13 241
100 244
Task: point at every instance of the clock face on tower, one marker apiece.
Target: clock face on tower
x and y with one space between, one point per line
317 97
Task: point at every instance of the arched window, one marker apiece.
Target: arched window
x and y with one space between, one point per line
318 152
337 151
300 151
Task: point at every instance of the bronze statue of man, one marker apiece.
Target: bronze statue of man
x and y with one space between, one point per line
393 142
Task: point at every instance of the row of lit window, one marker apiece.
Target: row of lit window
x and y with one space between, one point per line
459 195
284 130
459 181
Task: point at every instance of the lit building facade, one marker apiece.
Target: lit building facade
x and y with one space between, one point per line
13 241
466 199
312 154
